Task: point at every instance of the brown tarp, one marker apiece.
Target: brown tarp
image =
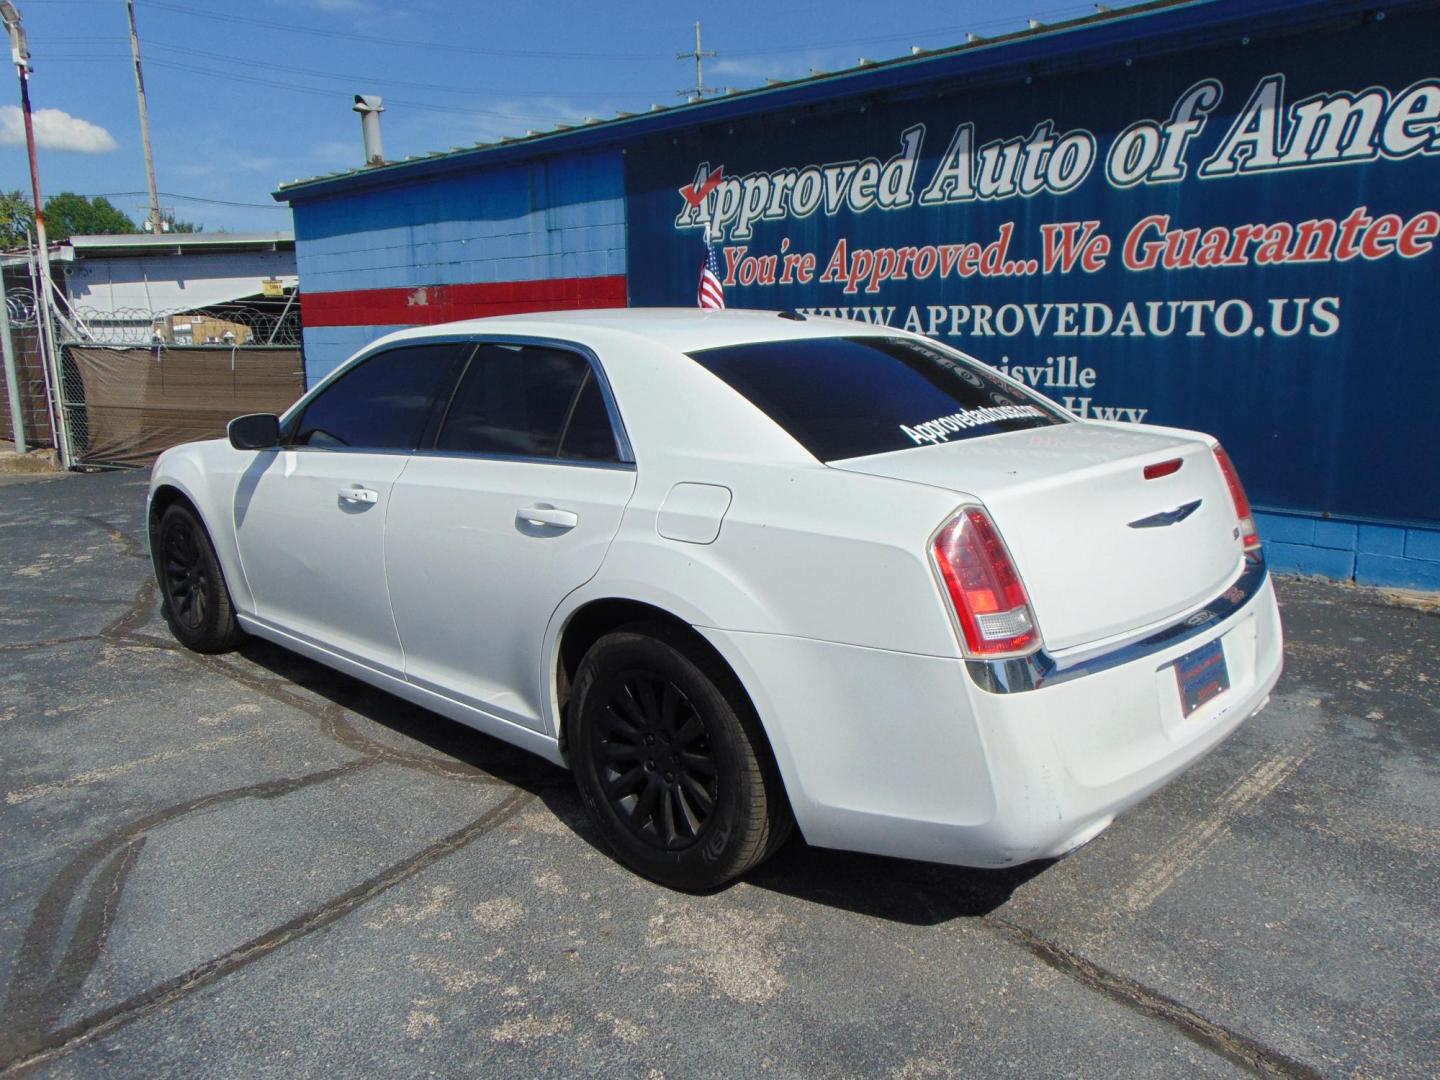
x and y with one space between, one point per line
128 405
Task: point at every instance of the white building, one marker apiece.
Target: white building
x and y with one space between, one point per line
123 289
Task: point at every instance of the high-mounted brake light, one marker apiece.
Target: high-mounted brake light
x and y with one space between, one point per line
986 593
1249 535
1163 468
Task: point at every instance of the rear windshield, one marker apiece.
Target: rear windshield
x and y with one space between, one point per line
852 396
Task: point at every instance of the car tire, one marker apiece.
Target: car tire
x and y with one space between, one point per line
193 595
670 760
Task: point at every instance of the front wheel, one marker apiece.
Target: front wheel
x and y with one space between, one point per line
670 761
193 595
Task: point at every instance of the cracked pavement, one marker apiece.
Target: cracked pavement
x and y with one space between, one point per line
248 865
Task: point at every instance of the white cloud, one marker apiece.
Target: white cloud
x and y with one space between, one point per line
338 153
794 65
333 7
55 129
221 166
343 7
496 119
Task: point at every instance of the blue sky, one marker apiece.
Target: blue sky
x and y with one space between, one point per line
246 95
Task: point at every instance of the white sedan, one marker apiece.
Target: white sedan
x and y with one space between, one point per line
741 571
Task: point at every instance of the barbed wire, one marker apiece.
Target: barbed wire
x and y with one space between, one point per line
20 306
240 325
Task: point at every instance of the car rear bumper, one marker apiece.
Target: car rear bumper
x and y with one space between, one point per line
1043 669
908 755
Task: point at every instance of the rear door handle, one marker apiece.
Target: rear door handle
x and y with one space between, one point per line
547 515
358 494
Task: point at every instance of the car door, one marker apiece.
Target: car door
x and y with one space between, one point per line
310 516
512 508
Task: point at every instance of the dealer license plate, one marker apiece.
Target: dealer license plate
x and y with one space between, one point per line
1202 675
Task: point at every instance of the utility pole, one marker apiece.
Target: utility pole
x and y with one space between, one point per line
154 222
20 54
698 56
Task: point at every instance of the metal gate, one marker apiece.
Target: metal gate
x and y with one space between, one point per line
134 383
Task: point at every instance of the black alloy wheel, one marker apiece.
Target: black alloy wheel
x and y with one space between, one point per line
193 595
670 759
186 576
657 769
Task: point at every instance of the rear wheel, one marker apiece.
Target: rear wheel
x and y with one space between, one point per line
193 595
670 761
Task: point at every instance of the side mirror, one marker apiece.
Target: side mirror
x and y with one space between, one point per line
256 431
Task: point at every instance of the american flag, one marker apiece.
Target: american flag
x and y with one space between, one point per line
711 293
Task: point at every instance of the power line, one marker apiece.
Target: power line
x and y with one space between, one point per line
184 198
354 78
426 106
350 35
332 94
1011 20
1017 20
328 94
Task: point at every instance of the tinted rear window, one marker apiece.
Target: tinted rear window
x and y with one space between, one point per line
514 399
849 397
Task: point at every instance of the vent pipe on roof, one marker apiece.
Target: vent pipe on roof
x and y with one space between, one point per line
370 106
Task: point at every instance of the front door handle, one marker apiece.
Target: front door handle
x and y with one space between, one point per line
358 494
546 515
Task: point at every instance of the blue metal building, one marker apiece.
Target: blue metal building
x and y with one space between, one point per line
1221 215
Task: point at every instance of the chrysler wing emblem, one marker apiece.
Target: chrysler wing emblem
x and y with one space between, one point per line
1166 517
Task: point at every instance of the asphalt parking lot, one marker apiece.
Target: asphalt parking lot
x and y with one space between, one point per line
250 866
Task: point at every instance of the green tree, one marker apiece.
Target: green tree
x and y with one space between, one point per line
17 218
68 214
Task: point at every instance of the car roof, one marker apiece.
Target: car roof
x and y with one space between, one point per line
684 329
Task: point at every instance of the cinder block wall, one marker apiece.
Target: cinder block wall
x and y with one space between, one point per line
1397 556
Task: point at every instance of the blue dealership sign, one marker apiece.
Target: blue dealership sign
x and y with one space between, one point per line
1237 237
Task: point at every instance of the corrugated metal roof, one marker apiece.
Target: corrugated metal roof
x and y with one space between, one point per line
1146 25
176 243
99 245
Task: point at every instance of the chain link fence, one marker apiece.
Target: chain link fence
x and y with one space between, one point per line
135 381
123 406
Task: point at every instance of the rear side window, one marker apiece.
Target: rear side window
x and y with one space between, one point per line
528 401
383 403
589 435
849 397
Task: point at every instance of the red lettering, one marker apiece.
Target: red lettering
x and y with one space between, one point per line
1356 220
1065 242
1096 252
1379 239
733 255
1418 235
1131 254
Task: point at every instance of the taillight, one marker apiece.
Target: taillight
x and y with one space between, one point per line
985 590
1249 536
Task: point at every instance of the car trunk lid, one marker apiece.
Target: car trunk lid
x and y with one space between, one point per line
1102 549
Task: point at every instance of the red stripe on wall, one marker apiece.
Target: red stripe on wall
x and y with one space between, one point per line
446 303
